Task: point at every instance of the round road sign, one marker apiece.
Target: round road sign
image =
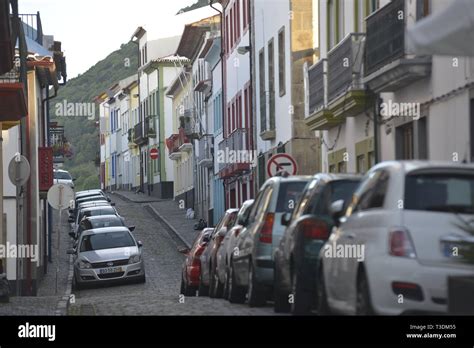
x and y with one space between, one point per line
19 170
281 162
154 154
60 196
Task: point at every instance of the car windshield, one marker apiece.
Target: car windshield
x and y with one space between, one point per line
452 193
288 195
107 240
106 223
62 176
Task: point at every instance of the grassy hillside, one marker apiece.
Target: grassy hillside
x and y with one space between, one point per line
83 134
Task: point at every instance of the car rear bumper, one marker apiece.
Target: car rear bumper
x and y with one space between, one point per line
431 280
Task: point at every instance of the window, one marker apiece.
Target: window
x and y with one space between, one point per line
271 83
372 191
332 192
245 9
281 62
361 164
449 192
289 195
237 8
227 36
422 138
404 139
232 39
422 9
471 128
263 99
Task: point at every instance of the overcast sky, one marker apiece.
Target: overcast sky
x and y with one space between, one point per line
91 29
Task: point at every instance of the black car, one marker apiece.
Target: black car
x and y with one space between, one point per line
308 229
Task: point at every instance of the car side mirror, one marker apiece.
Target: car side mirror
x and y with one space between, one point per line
74 179
108 199
131 228
222 232
337 210
285 219
72 234
70 219
206 238
112 204
184 250
139 243
71 251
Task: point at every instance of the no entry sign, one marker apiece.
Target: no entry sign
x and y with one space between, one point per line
281 162
154 154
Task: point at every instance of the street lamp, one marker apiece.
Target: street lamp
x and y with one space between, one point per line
243 50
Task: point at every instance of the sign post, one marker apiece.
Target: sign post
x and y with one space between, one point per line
59 197
281 162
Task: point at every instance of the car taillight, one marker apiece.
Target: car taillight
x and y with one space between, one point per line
400 244
314 229
267 228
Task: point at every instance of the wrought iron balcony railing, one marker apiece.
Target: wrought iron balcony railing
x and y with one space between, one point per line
385 36
345 66
316 86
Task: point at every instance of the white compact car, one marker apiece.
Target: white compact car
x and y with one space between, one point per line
407 229
63 177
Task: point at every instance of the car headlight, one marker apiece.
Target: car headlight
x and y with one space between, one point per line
84 264
134 259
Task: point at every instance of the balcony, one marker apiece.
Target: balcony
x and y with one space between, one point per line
233 157
387 65
347 95
178 144
188 121
203 78
150 131
205 156
139 137
13 106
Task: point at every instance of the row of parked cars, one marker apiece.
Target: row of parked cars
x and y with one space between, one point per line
384 243
104 248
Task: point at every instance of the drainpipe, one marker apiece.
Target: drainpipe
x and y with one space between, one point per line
224 82
377 103
252 104
48 144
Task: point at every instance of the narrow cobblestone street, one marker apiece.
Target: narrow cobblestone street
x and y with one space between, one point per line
160 294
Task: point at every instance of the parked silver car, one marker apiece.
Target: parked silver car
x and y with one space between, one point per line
228 247
252 262
107 254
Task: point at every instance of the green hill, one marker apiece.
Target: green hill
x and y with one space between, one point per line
83 134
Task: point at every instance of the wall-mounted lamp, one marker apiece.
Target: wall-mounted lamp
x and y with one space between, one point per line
243 49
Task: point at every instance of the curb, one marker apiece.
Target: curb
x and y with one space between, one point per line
170 227
127 199
63 303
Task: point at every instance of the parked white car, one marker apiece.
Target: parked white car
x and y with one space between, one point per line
400 239
63 177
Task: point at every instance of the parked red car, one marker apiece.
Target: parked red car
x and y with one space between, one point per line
192 264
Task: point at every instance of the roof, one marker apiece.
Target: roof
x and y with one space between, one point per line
102 217
408 166
193 36
105 230
337 176
100 207
176 84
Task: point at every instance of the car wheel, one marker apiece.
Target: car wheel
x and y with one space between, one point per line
141 280
203 290
226 284
181 290
216 287
281 298
301 304
256 291
322 306
236 293
189 290
75 285
363 304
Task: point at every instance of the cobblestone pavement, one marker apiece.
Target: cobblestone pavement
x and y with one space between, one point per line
160 294
46 301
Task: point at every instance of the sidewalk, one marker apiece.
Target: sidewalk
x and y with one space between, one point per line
47 301
169 212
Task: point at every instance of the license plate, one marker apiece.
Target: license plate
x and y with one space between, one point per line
110 270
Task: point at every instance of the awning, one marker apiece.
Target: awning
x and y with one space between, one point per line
13 104
448 32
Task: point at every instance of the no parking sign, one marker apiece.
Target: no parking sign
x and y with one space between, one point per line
281 162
